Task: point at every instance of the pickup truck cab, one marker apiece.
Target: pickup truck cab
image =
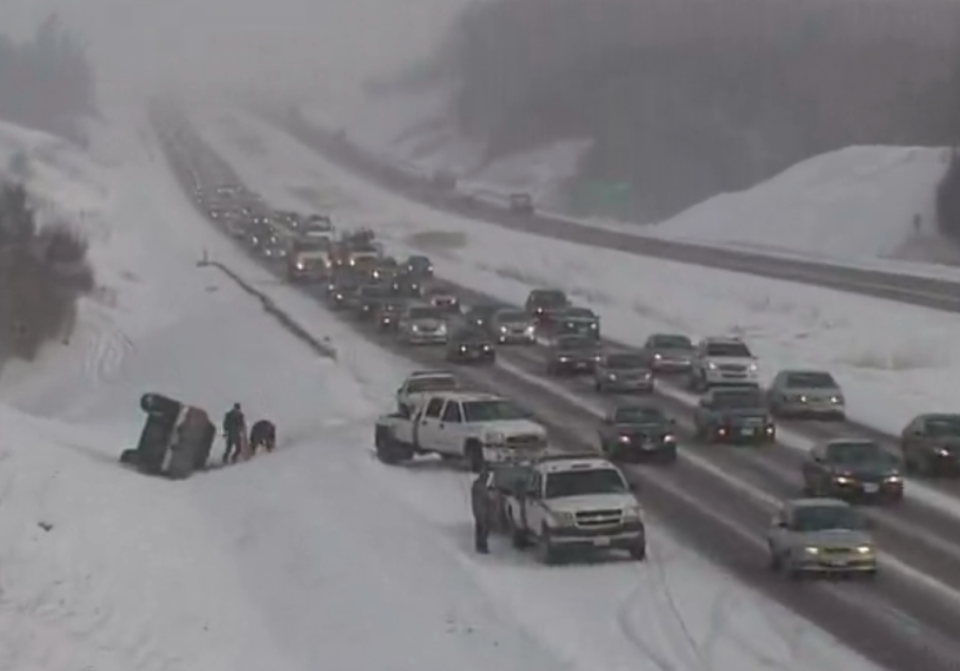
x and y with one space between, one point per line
571 502
475 427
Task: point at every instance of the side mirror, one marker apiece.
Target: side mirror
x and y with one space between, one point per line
633 485
704 403
672 422
779 524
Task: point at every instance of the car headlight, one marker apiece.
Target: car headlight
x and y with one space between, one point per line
611 376
442 329
811 550
753 368
843 479
711 365
503 329
300 265
624 439
339 297
658 356
894 478
564 519
494 438
836 399
463 348
563 359
529 330
633 514
864 550
943 452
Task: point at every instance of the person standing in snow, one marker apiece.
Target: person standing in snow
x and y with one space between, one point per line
263 435
234 431
482 513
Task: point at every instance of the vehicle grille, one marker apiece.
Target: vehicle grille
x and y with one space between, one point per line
835 551
732 368
524 441
599 518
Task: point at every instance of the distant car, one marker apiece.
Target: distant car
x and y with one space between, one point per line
723 361
572 355
734 415
423 324
930 445
574 321
806 393
386 270
342 290
521 203
623 372
669 353
387 313
407 285
419 266
443 299
638 432
511 327
369 299
422 383
481 316
820 536
541 301
851 468
470 346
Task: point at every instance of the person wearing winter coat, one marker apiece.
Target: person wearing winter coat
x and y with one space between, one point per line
482 511
263 435
234 431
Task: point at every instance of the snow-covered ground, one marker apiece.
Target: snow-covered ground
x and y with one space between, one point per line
317 555
890 369
855 204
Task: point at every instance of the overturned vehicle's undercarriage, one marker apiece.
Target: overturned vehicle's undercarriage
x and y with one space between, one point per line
176 439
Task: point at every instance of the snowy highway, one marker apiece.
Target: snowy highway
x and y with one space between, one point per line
931 292
720 500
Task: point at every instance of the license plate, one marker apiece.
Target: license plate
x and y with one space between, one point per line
649 445
746 431
871 488
837 562
582 364
601 542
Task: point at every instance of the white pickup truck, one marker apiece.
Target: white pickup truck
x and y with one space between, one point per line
571 502
475 427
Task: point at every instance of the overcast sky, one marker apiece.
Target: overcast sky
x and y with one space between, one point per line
294 45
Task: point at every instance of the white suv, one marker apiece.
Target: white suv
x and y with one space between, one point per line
720 361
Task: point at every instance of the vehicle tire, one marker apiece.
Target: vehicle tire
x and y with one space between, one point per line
473 453
387 451
925 468
546 552
638 551
517 538
670 457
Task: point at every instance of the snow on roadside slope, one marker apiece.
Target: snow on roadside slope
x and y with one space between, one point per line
614 616
889 369
850 204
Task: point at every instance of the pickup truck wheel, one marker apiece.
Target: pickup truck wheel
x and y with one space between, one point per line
517 538
473 452
545 550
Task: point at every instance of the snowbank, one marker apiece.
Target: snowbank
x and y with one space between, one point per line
890 370
856 203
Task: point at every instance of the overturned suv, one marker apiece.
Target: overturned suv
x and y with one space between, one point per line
734 415
175 441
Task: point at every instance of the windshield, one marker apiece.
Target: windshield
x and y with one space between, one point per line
418 262
943 427
732 349
483 311
494 410
639 416
575 343
626 361
671 342
373 292
512 316
471 337
438 383
580 313
826 518
856 453
583 483
549 298
727 400
426 313
811 381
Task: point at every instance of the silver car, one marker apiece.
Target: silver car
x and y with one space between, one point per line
513 327
806 393
820 536
669 353
423 324
623 372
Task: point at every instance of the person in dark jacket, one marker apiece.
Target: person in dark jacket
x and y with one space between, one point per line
482 513
234 431
263 435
